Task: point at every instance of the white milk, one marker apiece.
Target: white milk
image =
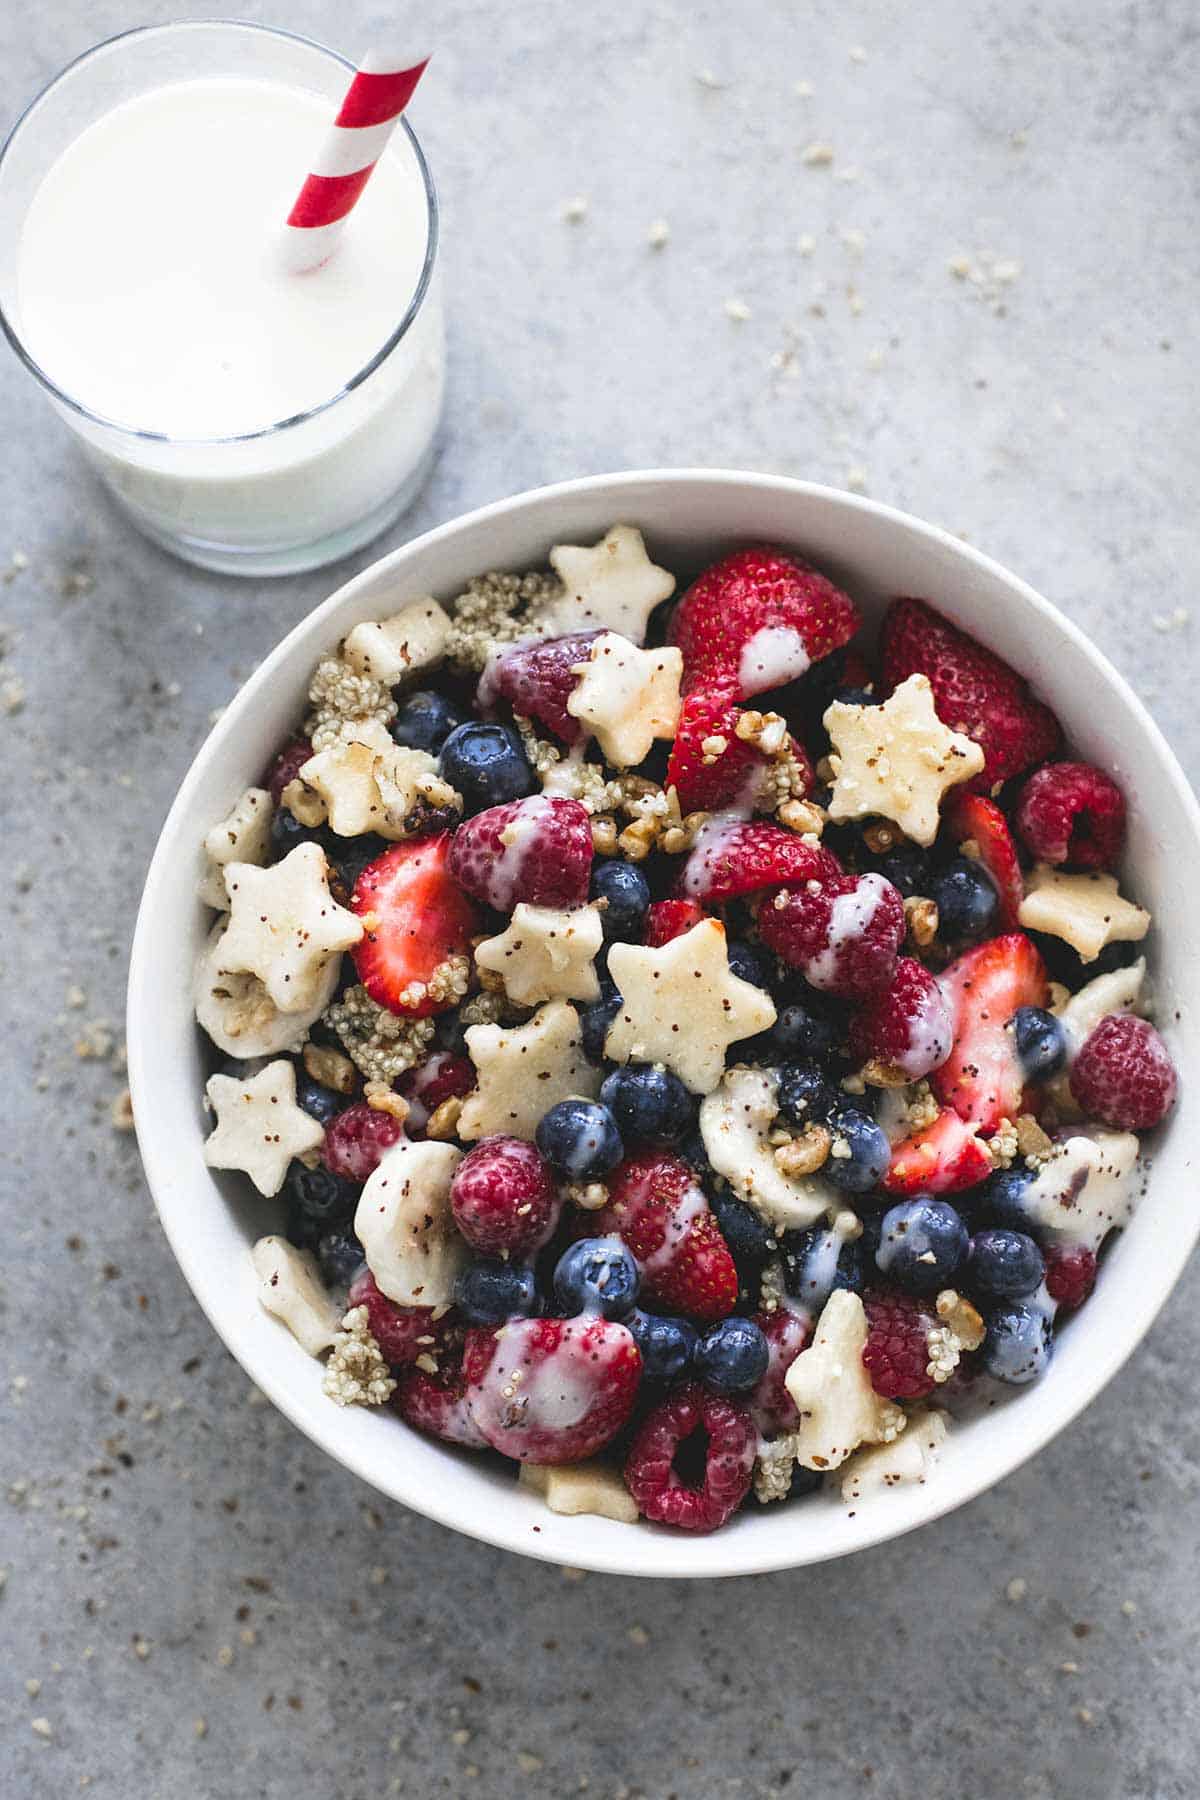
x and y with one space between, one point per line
151 290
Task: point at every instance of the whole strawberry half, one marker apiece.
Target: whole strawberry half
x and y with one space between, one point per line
843 937
415 917
538 678
537 850
982 1078
974 691
757 620
737 774
659 1212
551 1390
971 819
729 860
945 1158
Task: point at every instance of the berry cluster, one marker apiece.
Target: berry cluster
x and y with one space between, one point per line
948 1129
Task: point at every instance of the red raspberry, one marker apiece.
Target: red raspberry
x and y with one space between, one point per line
667 919
973 690
1070 812
537 850
664 1471
503 1198
658 1210
438 1405
896 1353
787 1333
1123 1074
908 1025
551 1390
1070 1273
286 766
443 1077
357 1138
757 620
844 938
538 679
729 860
402 1332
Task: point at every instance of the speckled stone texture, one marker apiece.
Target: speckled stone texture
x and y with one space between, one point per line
212 1609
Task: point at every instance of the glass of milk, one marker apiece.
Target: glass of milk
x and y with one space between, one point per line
247 418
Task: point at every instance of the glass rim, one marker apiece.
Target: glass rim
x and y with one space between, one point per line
407 320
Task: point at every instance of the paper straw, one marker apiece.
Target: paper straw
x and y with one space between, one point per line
370 112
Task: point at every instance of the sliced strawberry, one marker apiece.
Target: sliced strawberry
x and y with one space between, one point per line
757 620
973 820
856 670
735 859
667 919
538 678
844 937
982 1077
973 690
551 1390
444 1077
415 918
787 1333
660 1213
537 850
945 1158
737 775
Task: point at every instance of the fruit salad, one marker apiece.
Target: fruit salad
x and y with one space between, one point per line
695 1048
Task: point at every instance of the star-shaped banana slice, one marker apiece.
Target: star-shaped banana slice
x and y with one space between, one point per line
611 586
524 1070
285 925
290 1287
244 835
683 1006
897 760
1085 910
907 1460
627 697
366 782
389 650
586 1487
546 954
838 1407
259 1127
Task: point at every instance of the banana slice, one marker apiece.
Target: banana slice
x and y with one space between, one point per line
239 1015
405 1225
586 1487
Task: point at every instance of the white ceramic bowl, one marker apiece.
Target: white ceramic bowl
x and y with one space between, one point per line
689 517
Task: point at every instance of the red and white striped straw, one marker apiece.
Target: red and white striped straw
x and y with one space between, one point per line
375 99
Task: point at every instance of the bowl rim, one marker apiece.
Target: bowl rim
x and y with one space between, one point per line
714 1556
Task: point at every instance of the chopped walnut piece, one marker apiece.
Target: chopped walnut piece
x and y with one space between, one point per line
383 1098
805 1154
329 1067
921 918
443 1121
961 1318
604 835
804 817
590 1196
881 1074
1031 1139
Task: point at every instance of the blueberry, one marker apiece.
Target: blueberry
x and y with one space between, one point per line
667 1345
869 1151
487 764
597 1275
580 1139
1041 1042
908 870
804 1095
803 1028
449 1033
1002 1199
1018 1344
921 1244
693 1151
626 895
749 963
817 1262
425 720
320 1103
487 1292
348 860
596 1019
320 1197
1003 1264
340 1255
732 1356
966 900
287 832
648 1103
804 1481
751 1240
856 696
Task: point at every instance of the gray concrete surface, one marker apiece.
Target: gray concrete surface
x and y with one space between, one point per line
177 1554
